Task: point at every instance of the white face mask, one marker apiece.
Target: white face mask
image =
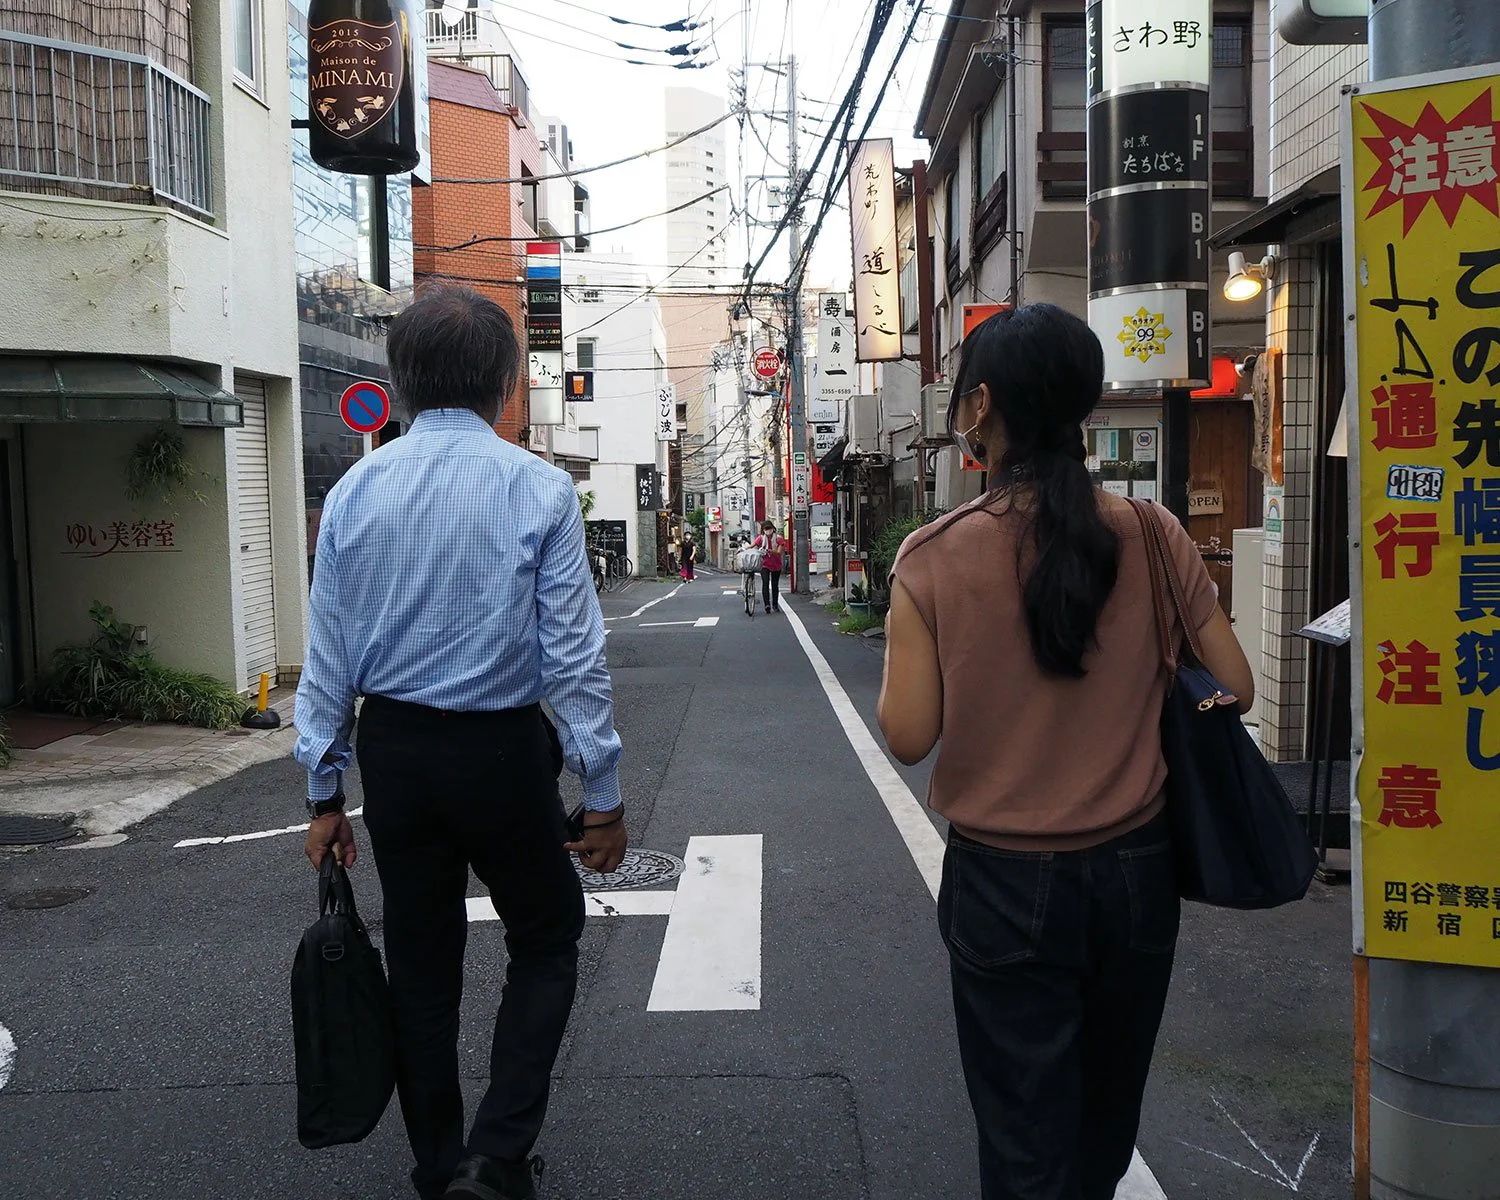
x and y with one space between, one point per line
965 447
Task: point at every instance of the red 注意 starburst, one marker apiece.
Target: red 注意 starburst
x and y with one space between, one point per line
1435 159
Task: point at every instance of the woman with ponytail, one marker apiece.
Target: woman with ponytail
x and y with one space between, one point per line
1022 643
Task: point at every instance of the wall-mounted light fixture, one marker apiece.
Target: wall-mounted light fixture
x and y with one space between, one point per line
1246 279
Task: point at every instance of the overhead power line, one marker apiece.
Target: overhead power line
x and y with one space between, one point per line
829 197
569 174
588 233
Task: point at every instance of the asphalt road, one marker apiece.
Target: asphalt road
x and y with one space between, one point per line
153 1036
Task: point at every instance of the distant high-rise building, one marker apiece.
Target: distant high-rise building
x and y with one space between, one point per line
697 235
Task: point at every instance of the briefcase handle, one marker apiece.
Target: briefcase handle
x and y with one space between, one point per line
334 893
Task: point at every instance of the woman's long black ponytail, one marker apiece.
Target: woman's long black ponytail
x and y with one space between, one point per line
1045 371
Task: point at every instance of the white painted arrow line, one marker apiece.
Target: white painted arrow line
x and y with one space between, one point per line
661 624
711 954
252 837
1281 1178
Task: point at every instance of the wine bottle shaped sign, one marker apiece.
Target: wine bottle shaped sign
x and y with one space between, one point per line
361 88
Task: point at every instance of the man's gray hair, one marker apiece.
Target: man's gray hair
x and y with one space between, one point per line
453 348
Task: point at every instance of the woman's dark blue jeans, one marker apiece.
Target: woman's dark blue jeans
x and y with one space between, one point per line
1060 965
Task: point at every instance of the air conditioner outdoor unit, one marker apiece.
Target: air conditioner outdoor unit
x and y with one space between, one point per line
935 398
862 424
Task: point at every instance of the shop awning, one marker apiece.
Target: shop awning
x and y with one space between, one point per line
1272 223
832 463
111 389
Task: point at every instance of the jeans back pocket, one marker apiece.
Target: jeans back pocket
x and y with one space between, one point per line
993 903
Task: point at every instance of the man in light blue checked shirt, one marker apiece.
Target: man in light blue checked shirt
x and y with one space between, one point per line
451 590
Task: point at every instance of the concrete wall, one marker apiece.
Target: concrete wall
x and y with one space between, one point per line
110 278
75 475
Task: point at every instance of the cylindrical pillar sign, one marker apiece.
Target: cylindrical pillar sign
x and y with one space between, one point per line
1149 157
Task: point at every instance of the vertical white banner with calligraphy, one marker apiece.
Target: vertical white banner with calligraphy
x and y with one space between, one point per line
666 413
836 365
872 217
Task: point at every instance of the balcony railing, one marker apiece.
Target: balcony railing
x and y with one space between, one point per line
80 120
471 42
1062 164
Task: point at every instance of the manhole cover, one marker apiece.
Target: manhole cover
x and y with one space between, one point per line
639 869
17 829
48 897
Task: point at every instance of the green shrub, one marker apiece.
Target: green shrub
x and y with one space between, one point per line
7 747
860 623
888 541
115 676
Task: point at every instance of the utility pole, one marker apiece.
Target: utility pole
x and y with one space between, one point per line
1427 1099
794 365
749 503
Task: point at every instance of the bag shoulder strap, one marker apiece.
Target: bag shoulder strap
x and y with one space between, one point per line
1163 599
1174 584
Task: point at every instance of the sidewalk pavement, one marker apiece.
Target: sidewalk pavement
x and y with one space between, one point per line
108 781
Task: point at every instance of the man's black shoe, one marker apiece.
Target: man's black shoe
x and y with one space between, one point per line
480 1177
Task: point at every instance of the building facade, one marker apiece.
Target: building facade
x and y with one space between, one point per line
614 330
696 249
144 203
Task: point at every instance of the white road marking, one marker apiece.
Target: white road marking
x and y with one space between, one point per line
252 837
597 904
662 624
711 955
706 622
1292 1183
653 603
102 842
923 842
1139 1183
7 1055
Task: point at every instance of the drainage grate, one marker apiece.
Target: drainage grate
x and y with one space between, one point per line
639 869
48 897
17 829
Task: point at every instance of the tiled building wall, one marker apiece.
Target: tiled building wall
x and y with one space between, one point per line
1290 328
1305 83
473 143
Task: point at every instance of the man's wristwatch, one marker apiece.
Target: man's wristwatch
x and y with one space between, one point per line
321 808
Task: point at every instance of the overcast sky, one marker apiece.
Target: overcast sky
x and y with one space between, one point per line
613 108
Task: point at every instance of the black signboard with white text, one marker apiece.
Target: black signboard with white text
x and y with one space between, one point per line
1154 237
647 488
1142 137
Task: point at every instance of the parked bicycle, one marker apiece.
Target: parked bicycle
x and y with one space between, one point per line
609 568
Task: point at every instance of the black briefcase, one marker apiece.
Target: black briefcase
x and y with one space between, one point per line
341 1021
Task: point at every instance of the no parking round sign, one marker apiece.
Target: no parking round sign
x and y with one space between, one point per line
365 406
